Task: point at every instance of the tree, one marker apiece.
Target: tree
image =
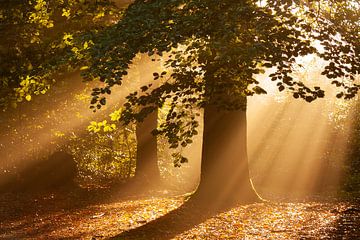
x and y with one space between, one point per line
214 50
352 165
147 170
38 43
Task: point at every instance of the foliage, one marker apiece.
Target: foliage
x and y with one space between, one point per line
211 52
105 156
96 147
39 43
43 42
352 180
58 120
214 49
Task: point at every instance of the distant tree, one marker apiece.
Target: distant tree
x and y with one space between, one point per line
352 165
147 169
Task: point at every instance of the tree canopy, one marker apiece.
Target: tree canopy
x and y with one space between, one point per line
39 42
211 51
214 50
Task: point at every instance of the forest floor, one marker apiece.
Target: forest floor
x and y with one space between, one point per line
94 215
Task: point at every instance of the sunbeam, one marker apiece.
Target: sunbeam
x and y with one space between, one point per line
290 140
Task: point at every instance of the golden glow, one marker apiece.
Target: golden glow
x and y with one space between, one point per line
297 148
265 221
44 122
293 147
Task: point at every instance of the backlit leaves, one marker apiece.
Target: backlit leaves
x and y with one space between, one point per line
43 38
96 127
30 85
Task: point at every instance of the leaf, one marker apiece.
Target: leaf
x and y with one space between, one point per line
93 100
259 90
309 99
84 68
184 160
115 116
340 95
108 128
66 13
267 65
103 101
321 94
28 97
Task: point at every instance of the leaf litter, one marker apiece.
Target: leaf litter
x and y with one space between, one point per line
66 215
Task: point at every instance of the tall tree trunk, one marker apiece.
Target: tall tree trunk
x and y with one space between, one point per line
225 179
147 170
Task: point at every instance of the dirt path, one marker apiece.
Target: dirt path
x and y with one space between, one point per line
92 215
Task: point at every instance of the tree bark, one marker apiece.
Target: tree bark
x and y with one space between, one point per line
225 179
147 170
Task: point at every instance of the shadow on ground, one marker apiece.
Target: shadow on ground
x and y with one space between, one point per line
103 214
347 225
180 220
77 213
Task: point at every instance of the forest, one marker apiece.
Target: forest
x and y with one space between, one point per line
179 119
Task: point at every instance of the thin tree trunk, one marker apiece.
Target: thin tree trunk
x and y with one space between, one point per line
225 179
147 170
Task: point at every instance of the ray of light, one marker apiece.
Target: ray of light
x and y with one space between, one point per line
45 120
294 146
